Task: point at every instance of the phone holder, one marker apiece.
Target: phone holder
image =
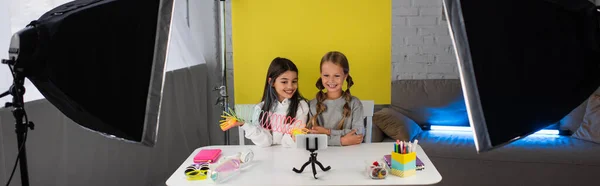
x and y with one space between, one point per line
313 159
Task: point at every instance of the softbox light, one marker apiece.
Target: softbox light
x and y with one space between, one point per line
524 64
101 63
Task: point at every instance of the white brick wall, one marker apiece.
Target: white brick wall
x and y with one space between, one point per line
421 45
426 53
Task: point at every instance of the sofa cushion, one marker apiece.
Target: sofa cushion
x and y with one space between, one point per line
590 127
573 120
396 125
537 148
377 134
431 101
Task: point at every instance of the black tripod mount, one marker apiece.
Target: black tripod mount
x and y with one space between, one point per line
312 160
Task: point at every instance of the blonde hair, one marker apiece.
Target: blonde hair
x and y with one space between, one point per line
340 59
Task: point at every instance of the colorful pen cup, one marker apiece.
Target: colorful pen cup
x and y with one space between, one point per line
403 165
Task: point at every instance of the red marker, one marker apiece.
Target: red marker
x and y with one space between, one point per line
402 147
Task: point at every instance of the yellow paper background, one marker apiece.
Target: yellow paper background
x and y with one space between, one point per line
303 31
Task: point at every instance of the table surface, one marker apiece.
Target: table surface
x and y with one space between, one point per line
273 166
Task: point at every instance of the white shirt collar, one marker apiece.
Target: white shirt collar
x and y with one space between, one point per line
285 101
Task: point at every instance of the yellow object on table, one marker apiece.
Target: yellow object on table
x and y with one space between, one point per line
403 165
196 172
196 175
297 131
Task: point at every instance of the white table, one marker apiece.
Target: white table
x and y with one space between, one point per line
273 166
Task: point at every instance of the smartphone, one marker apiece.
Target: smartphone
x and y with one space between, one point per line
311 141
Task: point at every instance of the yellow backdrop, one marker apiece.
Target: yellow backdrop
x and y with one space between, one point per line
303 31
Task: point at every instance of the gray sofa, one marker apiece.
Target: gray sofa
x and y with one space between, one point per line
534 160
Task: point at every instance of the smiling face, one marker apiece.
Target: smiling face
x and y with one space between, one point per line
286 85
333 77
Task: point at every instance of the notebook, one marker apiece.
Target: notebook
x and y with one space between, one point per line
207 155
420 164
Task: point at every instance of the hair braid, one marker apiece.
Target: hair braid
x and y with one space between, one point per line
321 96
348 98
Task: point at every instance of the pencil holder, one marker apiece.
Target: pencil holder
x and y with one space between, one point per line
403 165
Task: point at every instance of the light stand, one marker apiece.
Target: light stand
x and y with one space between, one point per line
17 90
312 160
223 99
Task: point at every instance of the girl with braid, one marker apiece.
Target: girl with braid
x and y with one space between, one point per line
336 112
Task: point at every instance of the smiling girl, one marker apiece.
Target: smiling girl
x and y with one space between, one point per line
282 107
336 112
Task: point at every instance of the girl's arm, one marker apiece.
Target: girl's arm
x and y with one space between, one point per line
334 139
255 132
357 122
300 122
335 135
358 118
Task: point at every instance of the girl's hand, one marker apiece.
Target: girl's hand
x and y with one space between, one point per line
320 130
297 131
238 124
351 138
230 123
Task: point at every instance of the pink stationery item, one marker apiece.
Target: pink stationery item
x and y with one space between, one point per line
207 155
229 165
